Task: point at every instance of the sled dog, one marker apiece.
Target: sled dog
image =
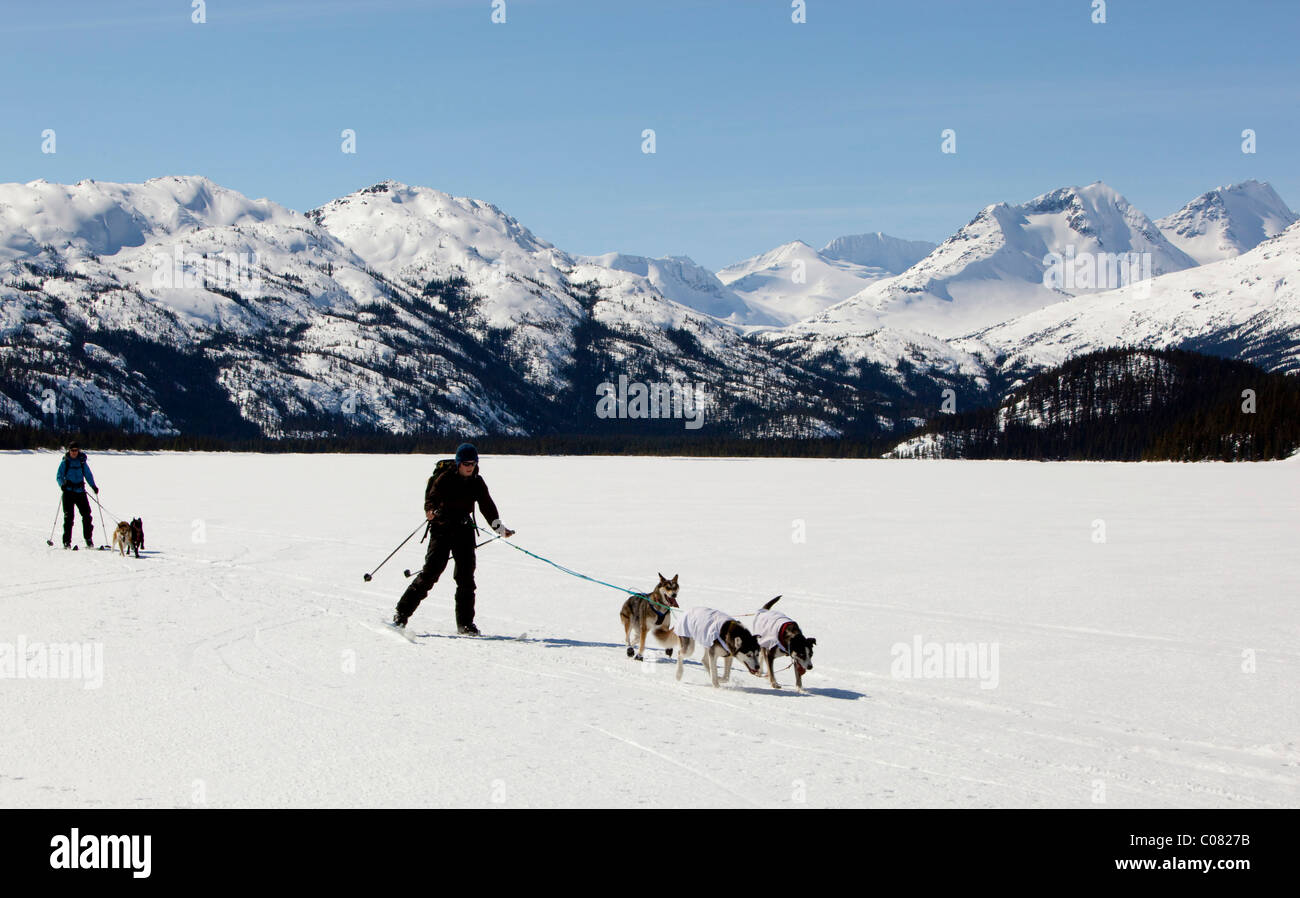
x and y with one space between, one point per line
122 537
129 537
779 635
720 635
642 615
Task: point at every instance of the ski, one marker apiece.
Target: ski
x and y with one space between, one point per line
491 637
400 631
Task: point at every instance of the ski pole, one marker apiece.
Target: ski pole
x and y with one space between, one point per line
101 519
367 577
408 572
50 541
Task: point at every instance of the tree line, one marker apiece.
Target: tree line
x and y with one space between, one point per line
1134 405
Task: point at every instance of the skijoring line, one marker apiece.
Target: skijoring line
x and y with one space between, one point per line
631 592
573 573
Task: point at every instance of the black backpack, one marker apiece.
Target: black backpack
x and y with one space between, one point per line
442 467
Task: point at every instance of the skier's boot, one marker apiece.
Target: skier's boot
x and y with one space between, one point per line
398 620
468 630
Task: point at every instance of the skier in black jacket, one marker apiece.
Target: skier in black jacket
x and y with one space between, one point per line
449 505
74 474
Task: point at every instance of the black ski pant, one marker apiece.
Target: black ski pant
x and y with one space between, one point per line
81 502
445 543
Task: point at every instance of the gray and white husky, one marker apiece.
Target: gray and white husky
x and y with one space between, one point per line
646 614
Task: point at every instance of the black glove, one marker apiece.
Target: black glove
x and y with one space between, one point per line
95 488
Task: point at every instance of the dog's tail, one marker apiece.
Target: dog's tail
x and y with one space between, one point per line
768 606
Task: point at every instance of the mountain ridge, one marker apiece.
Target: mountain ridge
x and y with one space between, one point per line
404 309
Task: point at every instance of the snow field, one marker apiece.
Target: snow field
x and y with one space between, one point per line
245 662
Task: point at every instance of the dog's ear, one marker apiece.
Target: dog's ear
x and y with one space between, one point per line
673 580
662 578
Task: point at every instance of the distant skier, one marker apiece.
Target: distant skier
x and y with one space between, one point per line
449 501
74 474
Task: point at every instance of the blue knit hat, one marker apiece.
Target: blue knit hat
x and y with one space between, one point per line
466 452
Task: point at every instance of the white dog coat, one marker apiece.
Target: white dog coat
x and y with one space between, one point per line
704 625
767 627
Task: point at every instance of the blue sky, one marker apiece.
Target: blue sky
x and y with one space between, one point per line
766 130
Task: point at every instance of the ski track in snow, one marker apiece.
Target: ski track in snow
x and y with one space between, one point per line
251 669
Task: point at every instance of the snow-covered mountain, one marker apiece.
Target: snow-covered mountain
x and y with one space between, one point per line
180 306
795 281
467 256
778 287
396 308
99 218
108 287
1227 221
878 251
567 321
1245 307
1001 265
680 279
916 370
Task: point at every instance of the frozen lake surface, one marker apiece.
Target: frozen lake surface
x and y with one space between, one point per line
1137 626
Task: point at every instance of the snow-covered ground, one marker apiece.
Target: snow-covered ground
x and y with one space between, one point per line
244 664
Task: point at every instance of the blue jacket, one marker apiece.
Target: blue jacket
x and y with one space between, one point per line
75 474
